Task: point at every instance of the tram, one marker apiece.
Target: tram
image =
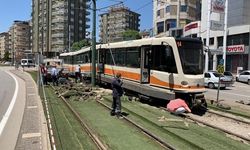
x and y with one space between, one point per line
164 68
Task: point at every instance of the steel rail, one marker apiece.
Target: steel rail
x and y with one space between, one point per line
151 135
213 126
93 137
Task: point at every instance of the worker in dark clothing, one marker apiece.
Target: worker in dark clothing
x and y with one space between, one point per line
117 93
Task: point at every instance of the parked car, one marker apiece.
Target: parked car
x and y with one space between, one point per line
244 77
229 75
211 80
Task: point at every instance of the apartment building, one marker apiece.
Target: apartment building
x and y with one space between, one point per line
174 14
115 22
58 24
238 35
19 38
4 44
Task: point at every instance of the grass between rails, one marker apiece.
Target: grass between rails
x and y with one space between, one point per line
203 137
117 134
234 110
68 132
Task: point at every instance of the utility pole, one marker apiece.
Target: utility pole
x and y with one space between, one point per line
208 32
178 14
93 68
225 35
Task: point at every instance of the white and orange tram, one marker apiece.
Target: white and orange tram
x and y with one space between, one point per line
163 68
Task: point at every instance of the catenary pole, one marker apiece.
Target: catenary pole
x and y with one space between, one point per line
93 67
225 35
208 32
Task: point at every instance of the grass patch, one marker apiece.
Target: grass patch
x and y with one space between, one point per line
234 110
203 137
68 131
33 75
117 134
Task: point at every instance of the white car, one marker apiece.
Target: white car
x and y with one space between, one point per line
244 77
211 80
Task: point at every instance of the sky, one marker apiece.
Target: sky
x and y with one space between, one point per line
11 10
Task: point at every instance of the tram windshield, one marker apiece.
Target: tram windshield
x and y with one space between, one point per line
191 55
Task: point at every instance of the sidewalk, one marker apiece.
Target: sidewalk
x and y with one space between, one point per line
33 133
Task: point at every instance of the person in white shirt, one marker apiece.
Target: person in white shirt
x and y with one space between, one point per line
77 73
54 74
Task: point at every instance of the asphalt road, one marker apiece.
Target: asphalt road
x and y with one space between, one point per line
239 91
12 102
7 89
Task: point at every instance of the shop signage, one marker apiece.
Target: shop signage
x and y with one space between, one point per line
191 26
217 25
218 6
235 48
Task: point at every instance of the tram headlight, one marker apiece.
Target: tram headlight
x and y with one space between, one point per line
185 83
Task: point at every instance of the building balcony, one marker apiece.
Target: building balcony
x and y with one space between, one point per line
57 35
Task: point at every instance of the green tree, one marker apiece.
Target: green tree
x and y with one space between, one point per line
131 35
78 45
6 56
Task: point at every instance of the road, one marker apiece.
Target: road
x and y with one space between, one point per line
239 91
7 88
12 102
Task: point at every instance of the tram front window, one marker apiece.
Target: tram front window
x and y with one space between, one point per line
191 55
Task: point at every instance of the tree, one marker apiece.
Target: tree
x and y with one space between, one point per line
78 45
131 35
6 56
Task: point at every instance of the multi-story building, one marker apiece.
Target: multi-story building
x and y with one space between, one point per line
4 44
174 14
115 22
238 33
19 38
58 24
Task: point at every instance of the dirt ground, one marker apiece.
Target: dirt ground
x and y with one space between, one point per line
236 127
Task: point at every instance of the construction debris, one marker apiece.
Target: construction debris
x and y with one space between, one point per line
80 92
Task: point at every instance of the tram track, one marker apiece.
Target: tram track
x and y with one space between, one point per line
136 119
145 131
158 127
214 113
217 127
99 144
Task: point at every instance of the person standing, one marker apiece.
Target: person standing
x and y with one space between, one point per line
44 74
77 73
54 74
117 93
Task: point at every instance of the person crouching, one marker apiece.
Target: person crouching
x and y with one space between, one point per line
178 106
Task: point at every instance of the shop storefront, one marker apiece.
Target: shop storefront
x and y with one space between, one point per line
236 56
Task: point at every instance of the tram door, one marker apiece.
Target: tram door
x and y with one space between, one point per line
145 61
101 59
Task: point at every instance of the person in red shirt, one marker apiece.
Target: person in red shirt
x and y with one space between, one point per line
178 106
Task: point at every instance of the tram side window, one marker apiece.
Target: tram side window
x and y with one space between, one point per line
163 59
74 59
120 57
133 57
108 58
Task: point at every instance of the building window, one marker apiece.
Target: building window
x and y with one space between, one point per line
160 27
158 13
183 8
167 9
211 41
